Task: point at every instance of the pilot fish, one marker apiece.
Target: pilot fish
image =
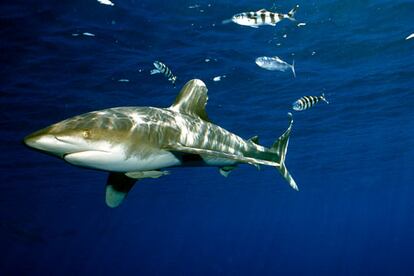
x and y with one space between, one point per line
163 69
261 17
307 102
275 63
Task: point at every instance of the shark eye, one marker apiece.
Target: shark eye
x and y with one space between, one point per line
86 134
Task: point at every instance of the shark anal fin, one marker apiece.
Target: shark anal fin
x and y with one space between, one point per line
226 170
218 154
117 187
192 99
146 174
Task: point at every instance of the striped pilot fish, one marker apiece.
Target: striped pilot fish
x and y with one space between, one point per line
261 17
163 69
308 101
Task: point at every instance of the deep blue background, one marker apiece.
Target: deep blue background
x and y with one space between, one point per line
353 159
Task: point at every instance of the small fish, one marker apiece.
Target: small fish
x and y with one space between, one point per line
162 68
275 63
307 102
194 6
261 17
218 78
409 37
106 2
88 34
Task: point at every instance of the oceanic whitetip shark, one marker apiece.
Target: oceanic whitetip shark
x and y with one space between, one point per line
133 143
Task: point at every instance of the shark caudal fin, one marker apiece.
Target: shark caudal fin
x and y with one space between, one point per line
280 148
291 13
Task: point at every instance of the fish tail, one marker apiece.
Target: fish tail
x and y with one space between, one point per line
322 97
227 21
279 149
155 71
293 68
291 13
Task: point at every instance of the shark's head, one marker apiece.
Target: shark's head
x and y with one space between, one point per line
58 141
82 140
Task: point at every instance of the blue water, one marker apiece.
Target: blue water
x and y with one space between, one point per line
352 159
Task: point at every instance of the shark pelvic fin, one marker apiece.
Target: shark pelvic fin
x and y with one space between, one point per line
117 187
192 99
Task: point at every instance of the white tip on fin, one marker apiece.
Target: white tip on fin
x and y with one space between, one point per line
225 171
192 99
117 188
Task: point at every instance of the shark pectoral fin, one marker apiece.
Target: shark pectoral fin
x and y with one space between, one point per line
226 170
117 187
218 154
192 99
146 174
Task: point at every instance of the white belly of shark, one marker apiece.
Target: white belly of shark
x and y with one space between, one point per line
116 160
132 143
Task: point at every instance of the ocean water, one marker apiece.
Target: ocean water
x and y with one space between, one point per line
352 159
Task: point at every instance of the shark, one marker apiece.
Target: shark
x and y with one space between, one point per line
134 143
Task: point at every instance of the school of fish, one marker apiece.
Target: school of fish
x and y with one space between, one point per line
256 19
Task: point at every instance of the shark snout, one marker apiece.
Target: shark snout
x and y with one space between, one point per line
36 139
48 142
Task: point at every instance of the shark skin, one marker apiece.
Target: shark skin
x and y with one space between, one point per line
133 143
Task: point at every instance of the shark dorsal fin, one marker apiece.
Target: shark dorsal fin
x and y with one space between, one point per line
254 139
192 99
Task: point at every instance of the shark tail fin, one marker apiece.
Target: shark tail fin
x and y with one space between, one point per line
280 148
291 14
